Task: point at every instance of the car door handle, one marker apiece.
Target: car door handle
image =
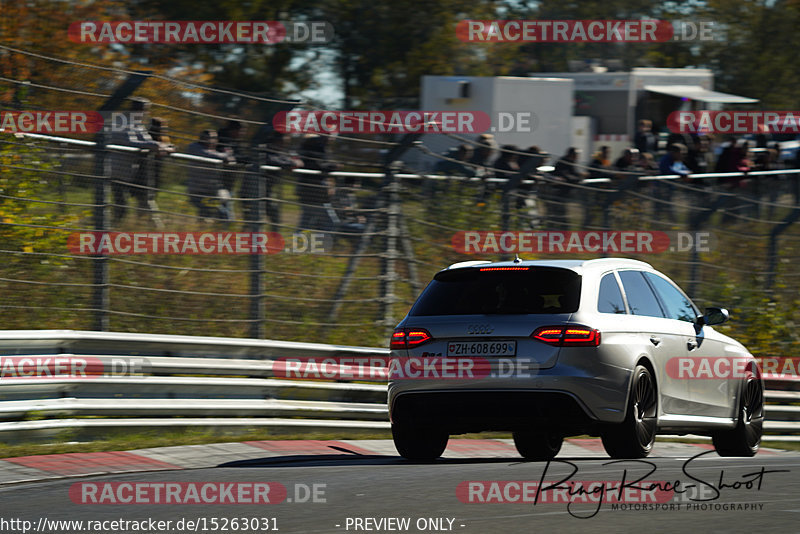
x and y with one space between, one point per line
655 340
691 344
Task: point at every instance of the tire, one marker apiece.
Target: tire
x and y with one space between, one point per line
745 438
419 444
538 445
634 437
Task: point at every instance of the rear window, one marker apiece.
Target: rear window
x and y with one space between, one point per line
501 292
610 298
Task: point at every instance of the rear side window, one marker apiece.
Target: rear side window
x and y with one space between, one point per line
641 299
677 306
609 299
535 290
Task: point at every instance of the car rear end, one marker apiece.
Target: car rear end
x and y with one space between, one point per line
497 347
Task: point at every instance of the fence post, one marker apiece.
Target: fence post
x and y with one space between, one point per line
257 261
100 263
102 179
389 274
391 189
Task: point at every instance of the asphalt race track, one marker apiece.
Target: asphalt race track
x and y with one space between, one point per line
363 486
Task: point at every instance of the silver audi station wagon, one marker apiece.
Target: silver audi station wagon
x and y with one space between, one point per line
548 349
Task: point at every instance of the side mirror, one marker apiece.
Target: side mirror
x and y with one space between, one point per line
713 316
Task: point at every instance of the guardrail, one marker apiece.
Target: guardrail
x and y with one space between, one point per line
214 382
186 381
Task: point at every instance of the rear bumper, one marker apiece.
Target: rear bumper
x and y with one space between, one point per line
476 411
562 396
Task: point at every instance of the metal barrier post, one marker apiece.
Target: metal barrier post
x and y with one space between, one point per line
392 188
101 299
257 309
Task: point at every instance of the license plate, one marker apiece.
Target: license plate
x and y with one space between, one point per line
482 348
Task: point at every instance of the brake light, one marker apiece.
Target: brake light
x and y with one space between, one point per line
406 338
567 336
504 269
398 339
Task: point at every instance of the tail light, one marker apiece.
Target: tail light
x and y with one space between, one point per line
408 338
567 336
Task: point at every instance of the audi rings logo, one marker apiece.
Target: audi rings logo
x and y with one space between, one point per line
480 329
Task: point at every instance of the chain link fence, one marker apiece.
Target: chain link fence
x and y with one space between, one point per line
360 233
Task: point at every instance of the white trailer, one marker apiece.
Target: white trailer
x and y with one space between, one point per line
524 111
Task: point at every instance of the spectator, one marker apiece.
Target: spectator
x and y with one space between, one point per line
601 163
270 150
773 184
345 207
701 163
130 173
741 157
670 163
764 160
526 191
566 172
315 190
725 159
599 167
682 139
704 159
533 152
230 142
734 158
482 154
507 163
628 160
647 164
206 188
645 140
447 167
506 166
539 158
159 131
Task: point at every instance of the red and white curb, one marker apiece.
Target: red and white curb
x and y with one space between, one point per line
52 466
